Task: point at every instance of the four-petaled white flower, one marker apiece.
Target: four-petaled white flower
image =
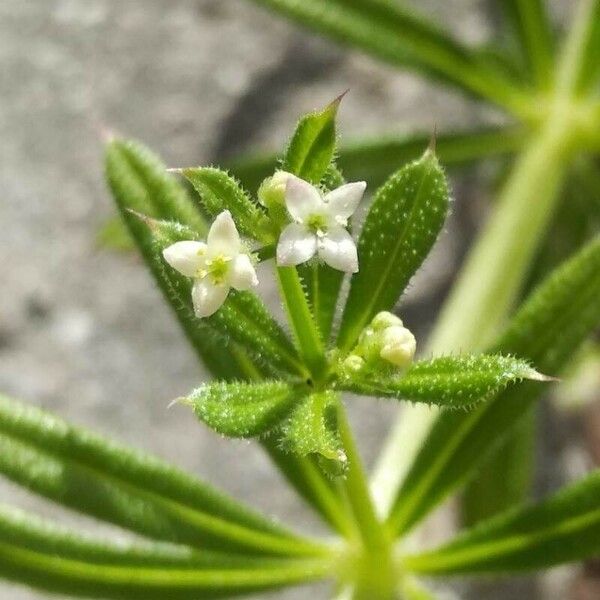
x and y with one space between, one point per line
319 225
217 265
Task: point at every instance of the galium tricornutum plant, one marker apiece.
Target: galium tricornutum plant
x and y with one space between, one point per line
287 387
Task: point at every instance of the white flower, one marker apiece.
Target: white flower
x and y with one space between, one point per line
217 265
319 225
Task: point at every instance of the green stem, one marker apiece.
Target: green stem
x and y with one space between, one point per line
302 322
373 575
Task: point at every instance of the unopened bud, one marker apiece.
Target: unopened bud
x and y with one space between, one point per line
353 363
385 319
398 346
271 193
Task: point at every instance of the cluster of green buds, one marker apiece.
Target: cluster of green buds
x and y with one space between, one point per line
383 345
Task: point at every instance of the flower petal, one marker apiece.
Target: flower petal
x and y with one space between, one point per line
338 250
223 237
243 275
343 201
296 245
208 297
302 199
186 257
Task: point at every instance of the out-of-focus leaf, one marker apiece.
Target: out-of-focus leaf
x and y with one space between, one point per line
398 35
448 381
374 159
563 528
219 191
546 330
533 32
54 559
402 225
111 482
243 409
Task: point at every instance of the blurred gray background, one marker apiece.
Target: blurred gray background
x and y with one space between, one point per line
83 331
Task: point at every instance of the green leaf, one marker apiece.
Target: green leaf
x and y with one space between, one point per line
448 381
397 35
312 428
374 159
87 473
310 150
533 32
563 528
546 330
588 75
28 531
243 409
243 318
55 559
219 191
401 227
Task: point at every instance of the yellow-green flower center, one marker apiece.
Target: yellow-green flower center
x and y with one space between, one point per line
217 268
317 223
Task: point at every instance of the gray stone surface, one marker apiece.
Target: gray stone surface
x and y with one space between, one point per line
83 332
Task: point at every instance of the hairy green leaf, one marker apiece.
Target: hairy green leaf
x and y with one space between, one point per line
87 473
310 150
55 559
243 409
397 35
546 330
563 528
219 191
374 159
243 318
448 381
312 428
399 231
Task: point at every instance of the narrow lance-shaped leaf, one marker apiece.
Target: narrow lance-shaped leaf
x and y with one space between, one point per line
28 531
563 528
55 559
139 182
243 409
219 191
547 330
87 473
243 319
373 159
397 35
398 233
448 381
531 25
310 150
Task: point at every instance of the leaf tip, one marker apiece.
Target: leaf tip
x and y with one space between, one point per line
534 375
